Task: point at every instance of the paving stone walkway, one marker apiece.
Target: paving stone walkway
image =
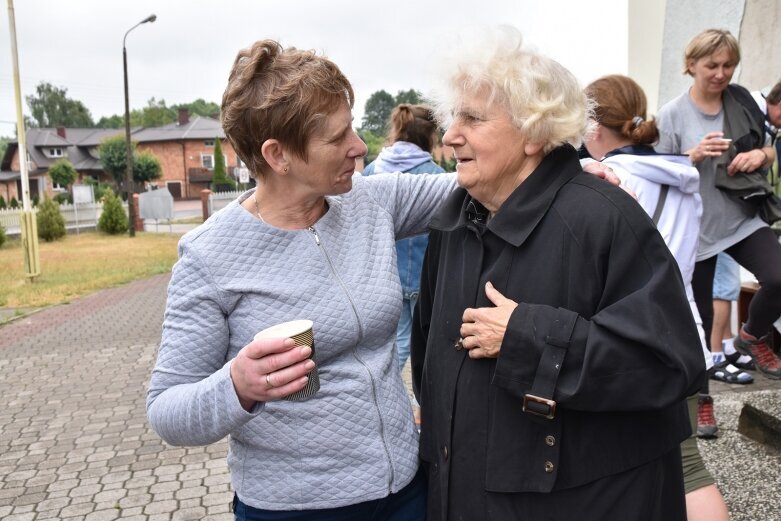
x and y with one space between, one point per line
74 440
75 443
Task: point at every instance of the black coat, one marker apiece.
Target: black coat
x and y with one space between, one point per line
603 325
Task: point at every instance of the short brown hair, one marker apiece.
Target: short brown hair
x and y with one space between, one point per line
708 42
413 124
278 93
774 96
621 106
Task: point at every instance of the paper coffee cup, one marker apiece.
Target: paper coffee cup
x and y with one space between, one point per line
301 333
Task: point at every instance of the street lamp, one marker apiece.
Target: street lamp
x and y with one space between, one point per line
129 171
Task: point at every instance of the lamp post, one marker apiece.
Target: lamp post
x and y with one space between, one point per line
129 171
29 228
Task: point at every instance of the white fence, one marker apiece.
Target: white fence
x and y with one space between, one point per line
219 200
80 216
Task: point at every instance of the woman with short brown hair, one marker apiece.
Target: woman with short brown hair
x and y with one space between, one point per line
314 240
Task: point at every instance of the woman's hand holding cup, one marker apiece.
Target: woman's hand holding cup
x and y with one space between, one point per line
270 369
713 144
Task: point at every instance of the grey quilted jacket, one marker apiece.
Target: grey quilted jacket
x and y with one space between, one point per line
355 439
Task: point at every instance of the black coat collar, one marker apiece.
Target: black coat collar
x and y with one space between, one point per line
522 211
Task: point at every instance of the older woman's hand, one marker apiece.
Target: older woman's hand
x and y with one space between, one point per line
483 329
269 369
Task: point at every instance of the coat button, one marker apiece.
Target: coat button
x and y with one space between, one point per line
444 452
548 467
550 441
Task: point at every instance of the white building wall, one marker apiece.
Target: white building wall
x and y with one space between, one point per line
683 19
760 44
646 27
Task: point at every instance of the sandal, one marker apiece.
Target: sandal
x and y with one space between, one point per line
741 361
728 373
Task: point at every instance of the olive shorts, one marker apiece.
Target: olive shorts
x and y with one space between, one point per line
695 475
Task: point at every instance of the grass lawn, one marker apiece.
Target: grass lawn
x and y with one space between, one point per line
81 264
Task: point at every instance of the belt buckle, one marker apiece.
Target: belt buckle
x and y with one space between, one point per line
538 402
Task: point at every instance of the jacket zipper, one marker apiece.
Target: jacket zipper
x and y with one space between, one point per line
355 354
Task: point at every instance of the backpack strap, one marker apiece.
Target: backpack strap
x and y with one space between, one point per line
660 203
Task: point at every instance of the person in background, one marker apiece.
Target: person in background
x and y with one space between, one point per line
313 241
667 189
726 290
412 136
722 140
553 345
769 103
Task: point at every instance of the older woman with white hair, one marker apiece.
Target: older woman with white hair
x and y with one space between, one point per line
553 346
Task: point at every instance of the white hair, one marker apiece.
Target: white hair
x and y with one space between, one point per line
544 100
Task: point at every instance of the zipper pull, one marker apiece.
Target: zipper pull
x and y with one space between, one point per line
314 232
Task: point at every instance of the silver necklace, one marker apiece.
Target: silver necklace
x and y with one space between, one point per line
257 207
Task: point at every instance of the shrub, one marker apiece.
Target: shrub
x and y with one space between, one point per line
14 203
3 206
2 235
34 201
64 198
99 188
51 224
113 219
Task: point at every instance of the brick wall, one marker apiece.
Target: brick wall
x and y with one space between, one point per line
177 157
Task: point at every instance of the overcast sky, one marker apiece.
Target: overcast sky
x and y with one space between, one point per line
187 53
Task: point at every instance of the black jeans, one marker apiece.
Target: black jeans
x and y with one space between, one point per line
759 253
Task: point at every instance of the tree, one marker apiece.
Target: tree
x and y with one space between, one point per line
377 112
199 107
51 224
411 96
113 156
220 181
115 121
51 107
373 144
113 219
146 167
4 144
155 114
63 173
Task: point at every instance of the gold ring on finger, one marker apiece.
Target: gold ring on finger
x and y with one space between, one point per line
268 381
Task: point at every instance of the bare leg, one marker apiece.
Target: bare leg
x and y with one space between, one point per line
722 310
706 504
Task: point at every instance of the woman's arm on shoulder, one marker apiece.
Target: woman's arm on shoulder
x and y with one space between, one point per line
411 199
